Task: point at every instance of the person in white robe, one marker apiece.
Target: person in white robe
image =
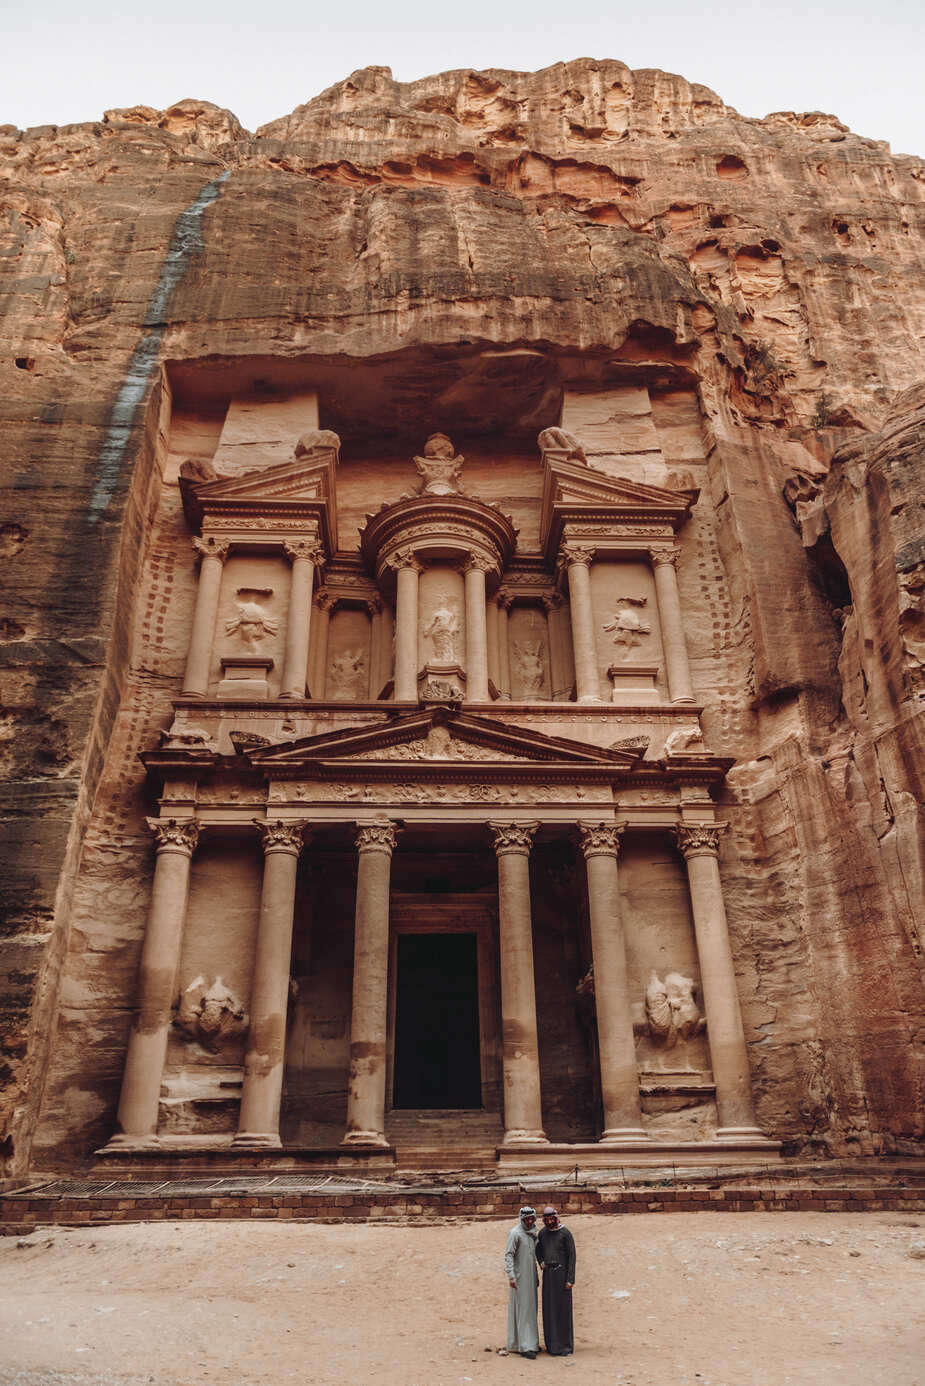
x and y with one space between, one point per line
523 1334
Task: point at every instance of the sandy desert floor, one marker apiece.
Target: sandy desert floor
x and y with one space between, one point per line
735 1299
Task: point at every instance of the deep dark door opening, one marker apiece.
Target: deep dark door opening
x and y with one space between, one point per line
437 1056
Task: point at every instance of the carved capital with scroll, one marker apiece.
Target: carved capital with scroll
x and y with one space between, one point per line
304 548
325 600
600 839
282 834
210 547
175 834
669 554
376 837
480 562
698 839
571 553
405 558
513 837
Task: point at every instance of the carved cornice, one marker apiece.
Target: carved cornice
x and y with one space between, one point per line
698 839
210 547
600 839
304 548
667 555
513 837
175 834
282 834
376 837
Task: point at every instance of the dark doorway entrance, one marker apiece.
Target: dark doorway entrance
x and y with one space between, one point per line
437 1061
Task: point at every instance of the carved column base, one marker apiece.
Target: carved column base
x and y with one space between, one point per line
525 1138
257 1140
624 1135
740 1133
376 1139
122 1142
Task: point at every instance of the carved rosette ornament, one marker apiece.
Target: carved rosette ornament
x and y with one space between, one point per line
513 837
282 835
210 547
304 548
600 839
376 837
669 554
698 839
175 834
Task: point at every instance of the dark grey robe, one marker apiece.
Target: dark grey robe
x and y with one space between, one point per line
555 1251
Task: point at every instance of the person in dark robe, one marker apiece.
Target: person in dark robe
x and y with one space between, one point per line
555 1251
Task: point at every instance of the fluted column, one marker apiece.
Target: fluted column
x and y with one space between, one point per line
374 607
157 981
476 630
366 1093
265 1056
600 843
677 666
319 665
213 553
577 559
406 626
699 844
304 555
523 1116
504 604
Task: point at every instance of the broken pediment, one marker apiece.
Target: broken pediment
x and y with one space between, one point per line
576 492
303 487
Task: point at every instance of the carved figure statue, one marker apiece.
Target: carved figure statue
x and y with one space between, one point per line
558 440
183 736
671 1012
530 664
627 628
443 629
682 738
347 674
251 621
210 1015
440 467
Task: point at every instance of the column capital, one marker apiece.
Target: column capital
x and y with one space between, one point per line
669 554
479 563
210 547
600 839
325 600
175 834
374 604
698 839
571 553
282 834
513 837
504 600
304 548
405 558
551 601
376 837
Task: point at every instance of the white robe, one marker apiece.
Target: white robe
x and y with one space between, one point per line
520 1263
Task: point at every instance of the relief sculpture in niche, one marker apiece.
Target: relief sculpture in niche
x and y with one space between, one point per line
529 655
626 627
250 621
347 674
670 1013
210 1015
442 630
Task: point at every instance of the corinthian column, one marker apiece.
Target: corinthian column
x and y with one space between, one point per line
213 553
258 1122
476 630
503 603
374 607
157 981
677 668
406 626
317 677
305 555
523 1116
577 559
699 844
600 843
366 1094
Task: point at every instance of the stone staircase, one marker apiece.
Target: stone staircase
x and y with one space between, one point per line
442 1138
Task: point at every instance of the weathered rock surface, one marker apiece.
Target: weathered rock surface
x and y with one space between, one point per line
481 238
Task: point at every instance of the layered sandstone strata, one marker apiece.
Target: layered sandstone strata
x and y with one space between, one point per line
475 247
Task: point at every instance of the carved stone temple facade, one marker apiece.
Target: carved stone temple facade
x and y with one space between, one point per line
396 798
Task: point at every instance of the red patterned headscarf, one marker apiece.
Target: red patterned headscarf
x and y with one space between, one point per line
550 1212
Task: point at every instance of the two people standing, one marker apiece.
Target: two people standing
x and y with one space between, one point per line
554 1249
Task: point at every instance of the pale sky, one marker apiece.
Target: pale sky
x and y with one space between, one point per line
61 63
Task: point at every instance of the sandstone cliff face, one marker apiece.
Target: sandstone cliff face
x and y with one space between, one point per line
762 278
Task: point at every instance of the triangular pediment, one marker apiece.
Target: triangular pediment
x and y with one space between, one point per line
573 484
439 736
295 480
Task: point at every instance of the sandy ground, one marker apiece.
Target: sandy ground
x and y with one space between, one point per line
735 1299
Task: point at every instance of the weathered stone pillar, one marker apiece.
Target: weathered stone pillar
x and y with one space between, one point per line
577 559
504 604
600 843
699 844
406 627
265 1056
366 1094
476 631
304 555
559 678
677 667
318 675
157 981
213 553
523 1117
374 607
